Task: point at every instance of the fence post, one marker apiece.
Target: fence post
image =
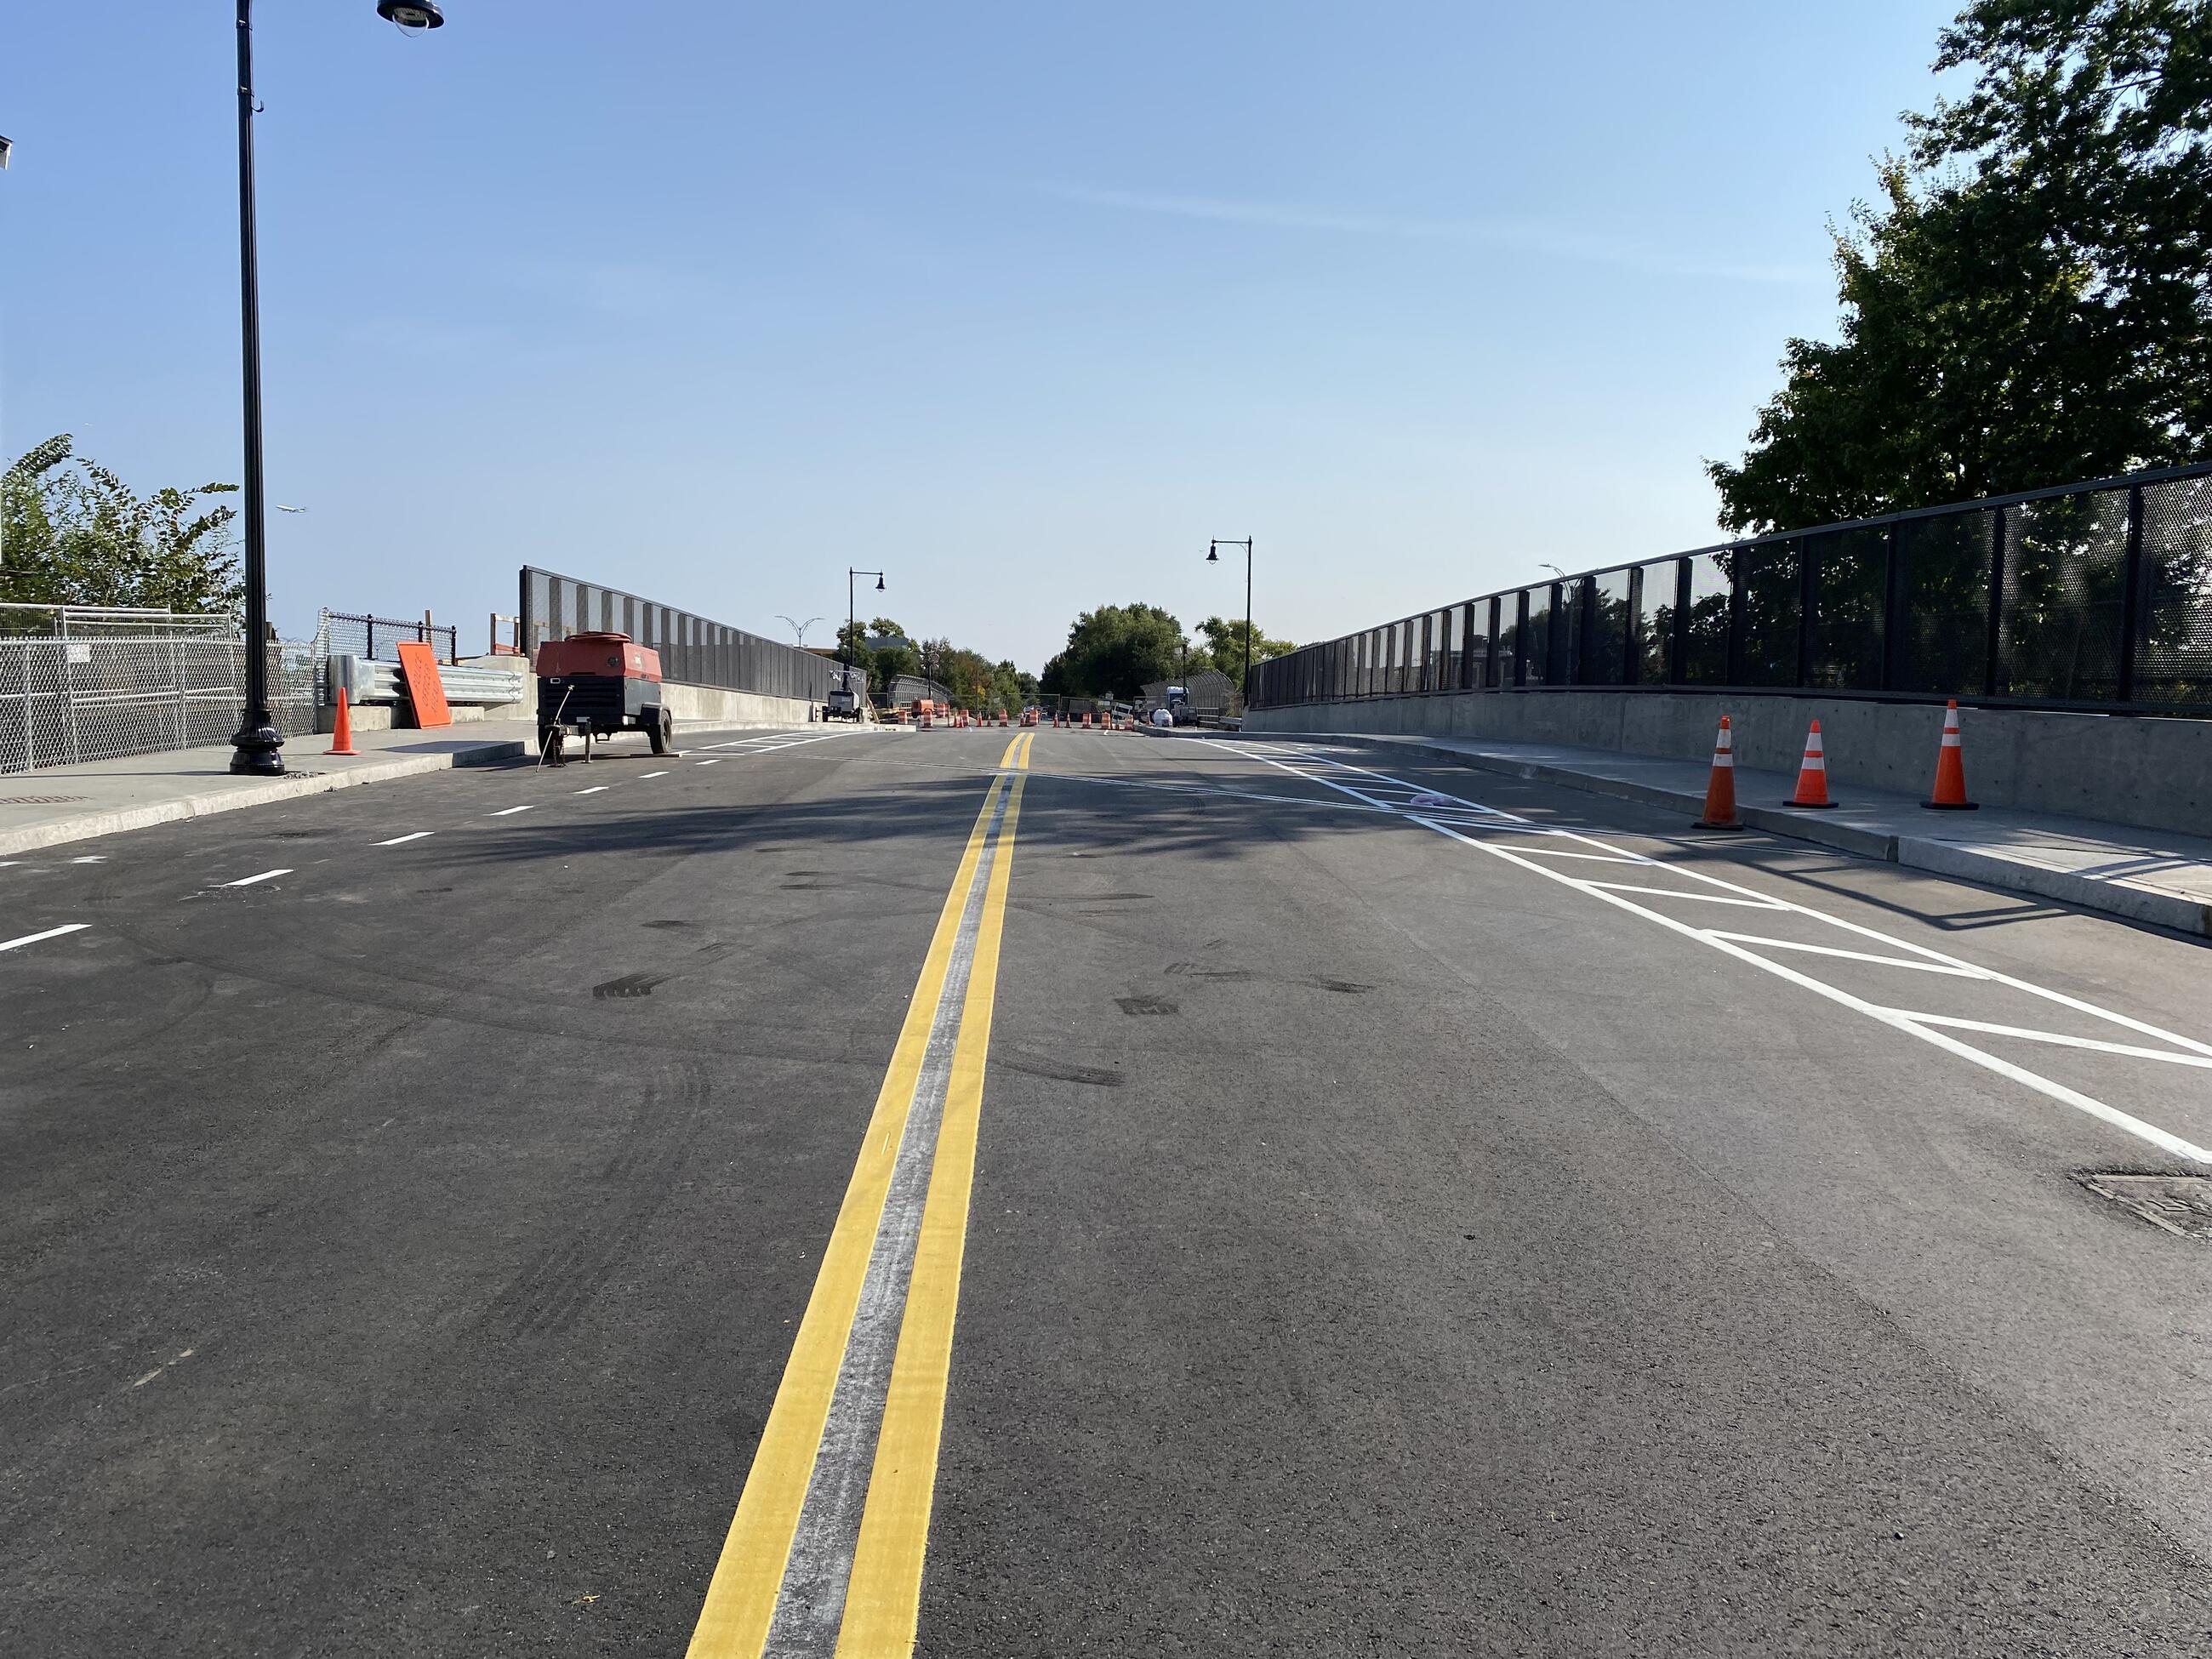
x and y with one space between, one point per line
2133 623
1632 630
1893 604
1991 679
1808 604
1678 647
1734 664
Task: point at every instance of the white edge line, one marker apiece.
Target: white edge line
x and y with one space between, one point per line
50 933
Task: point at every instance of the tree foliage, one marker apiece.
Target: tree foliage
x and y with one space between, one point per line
72 532
1224 646
2030 300
1114 651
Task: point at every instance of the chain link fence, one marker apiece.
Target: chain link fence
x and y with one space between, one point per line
693 651
2092 596
86 685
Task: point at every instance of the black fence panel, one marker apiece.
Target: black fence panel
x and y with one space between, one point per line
693 650
2091 595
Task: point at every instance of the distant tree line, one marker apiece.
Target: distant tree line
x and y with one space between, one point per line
1117 650
882 647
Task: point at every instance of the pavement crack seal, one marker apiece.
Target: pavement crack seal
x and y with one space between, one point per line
825 1555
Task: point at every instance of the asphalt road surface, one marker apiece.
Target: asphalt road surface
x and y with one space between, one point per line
1079 1193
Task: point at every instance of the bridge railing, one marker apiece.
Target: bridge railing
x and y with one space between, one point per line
2093 595
693 650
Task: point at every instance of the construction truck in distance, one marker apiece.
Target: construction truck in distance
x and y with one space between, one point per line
593 685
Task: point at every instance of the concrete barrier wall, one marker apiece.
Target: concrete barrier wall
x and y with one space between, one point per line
2122 769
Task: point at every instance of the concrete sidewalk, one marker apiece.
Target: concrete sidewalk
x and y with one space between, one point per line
73 802
2144 875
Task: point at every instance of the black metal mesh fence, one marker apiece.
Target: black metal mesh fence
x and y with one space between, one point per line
693 651
2096 595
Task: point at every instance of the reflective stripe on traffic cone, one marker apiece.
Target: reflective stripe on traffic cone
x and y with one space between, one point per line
1812 775
1951 768
342 730
1720 786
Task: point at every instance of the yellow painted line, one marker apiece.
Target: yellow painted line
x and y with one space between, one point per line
741 1597
883 1600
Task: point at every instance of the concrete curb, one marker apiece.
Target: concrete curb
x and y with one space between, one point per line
1914 852
31 838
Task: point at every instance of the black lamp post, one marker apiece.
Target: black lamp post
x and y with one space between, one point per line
258 747
1213 556
849 617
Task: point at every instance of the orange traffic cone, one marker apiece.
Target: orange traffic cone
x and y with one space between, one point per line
1812 775
341 730
1720 787
1951 768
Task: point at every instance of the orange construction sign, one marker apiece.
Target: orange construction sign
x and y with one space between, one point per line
425 689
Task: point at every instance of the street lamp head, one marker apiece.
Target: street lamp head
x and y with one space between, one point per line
879 584
413 15
1212 554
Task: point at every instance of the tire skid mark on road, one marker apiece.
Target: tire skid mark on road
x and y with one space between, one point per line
824 1554
1471 822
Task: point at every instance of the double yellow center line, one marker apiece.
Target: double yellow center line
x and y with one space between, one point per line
824 1556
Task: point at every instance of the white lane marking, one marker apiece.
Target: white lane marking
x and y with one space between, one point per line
1562 852
50 933
401 840
248 881
1854 956
2046 1086
652 775
2059 1037
509 811
596 789
97 858
1676 892
717 761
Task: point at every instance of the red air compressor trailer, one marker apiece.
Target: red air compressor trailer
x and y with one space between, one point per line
596 685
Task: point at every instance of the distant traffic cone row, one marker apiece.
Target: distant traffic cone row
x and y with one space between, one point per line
1951 768
1812 774
342 730
1720 785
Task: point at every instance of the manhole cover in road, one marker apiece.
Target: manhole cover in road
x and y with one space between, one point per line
2180 1204
41 800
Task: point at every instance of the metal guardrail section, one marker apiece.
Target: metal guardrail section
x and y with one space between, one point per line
95 696
366 680
693 651
2095 596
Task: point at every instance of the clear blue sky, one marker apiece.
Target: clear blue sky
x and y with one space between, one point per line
1022 302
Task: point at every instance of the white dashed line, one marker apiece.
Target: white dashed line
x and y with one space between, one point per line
401 840
717 761
97 858
248 881
509 811
50 933
652 775
596 789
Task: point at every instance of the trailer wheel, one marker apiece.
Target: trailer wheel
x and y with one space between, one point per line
660 729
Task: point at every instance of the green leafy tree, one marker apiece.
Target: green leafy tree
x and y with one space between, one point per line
1224 646
1114 651
71 533
2028 301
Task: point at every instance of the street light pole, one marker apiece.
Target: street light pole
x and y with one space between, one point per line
257 747
851 621
1213 556
799 628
